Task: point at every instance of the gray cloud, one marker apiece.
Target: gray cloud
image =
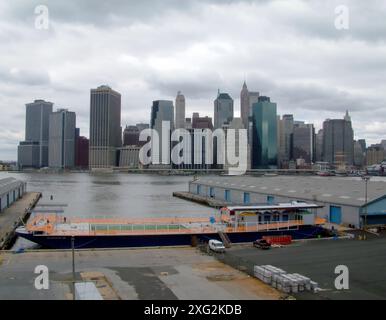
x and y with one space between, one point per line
149 50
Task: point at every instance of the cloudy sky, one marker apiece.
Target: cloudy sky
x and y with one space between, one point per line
147 50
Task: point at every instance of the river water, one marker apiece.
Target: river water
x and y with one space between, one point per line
114 195
123 195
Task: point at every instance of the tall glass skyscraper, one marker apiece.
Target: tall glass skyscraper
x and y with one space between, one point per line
223 110
105 127
161 110
264 134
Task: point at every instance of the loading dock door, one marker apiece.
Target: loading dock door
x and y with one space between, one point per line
335 214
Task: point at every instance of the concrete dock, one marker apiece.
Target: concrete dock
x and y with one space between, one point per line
156 273
317 259
200 199
13 216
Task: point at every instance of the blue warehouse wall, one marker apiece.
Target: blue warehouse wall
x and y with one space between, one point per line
376 211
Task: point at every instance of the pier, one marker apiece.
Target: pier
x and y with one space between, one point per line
211 202
15 215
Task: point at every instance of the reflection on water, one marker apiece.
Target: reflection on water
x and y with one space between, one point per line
128 195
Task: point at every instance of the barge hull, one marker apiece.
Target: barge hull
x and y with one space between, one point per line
157 240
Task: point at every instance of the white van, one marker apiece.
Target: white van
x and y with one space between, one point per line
216 246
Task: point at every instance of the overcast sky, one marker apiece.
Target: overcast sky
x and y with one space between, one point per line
148 50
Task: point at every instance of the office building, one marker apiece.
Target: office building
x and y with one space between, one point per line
131 136
338 141
201 122
105 127
81 151
162 111
264 134
61 144
247 99
375 154
33 151
129 157
180 111
304 142
223 110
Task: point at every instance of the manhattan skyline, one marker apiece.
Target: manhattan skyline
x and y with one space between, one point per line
292 53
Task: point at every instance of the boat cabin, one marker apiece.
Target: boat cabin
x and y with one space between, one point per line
294 212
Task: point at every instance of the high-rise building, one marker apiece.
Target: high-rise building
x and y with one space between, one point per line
131 136
180 111
338 141
375 154
129 157
264 134
105 127
244 105
319 146
288 129
162 111
81 151
33 152
247 99
359 156
61 147
362 142
236 124
280 143
201 122
142 126
223 110
304 142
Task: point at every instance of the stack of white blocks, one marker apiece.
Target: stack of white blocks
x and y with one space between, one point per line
283 281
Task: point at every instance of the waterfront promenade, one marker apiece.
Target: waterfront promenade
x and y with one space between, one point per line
11 217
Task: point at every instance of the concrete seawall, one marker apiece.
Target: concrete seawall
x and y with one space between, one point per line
14 216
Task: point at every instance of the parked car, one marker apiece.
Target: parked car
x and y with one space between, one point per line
262 244
216 246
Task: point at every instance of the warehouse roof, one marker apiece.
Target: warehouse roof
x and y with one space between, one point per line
8 184
340 190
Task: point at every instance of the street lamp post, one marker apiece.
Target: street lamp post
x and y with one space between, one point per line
73 266
366 180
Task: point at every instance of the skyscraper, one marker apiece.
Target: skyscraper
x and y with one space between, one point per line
304 142
288 129
81 152
244 105
162 111
223 110
131 136
105 127
33 152
319 146
247 99
264 134
180 111
62 139
338 141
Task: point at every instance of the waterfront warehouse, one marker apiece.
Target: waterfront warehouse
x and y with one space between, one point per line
10 190
343 198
